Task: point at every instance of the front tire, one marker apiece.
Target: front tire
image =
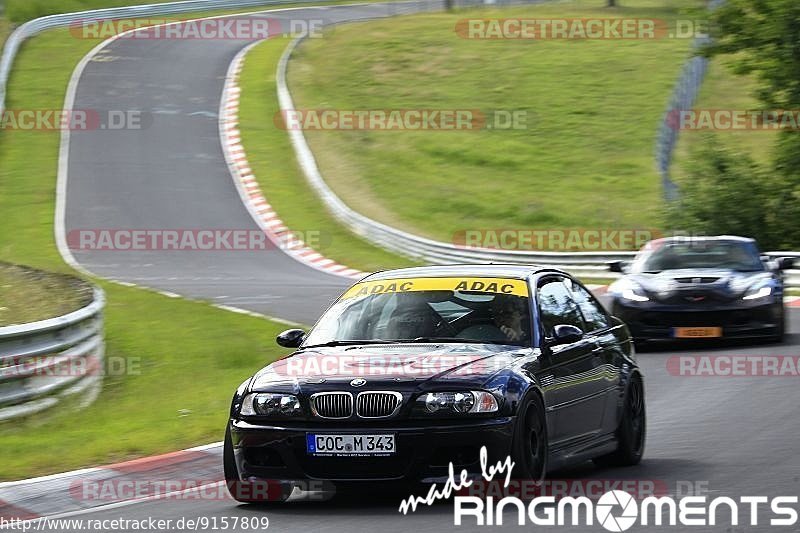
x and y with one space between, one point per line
631 430
529 447
781 329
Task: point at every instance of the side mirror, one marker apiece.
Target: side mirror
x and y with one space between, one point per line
566 334
291 338
785 263
616 266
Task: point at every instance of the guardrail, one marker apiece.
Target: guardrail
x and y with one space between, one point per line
43 362
683 97
584 264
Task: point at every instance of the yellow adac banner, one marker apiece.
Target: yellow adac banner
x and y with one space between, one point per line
516 287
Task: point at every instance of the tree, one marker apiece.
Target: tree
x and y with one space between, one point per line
725 192
763 38
765 35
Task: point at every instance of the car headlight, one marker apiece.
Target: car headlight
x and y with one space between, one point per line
271 404
629 290
757 291
460 402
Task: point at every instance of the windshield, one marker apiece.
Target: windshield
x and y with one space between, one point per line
481 310
740 256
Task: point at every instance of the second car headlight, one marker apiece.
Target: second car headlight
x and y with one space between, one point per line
629 290
271 404
757 291
461 402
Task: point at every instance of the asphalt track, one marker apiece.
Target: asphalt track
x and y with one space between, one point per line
735 436
171 174
727 436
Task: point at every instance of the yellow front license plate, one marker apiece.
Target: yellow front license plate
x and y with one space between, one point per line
697 333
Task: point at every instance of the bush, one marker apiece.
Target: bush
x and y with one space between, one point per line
726 192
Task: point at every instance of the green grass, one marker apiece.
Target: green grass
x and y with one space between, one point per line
28 295
272 159
21 10
5 29
191 355
585 160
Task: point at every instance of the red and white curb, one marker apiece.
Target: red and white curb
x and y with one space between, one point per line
193 474
247 185
792 301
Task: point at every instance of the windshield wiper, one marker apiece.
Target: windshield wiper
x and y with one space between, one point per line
461 340
330 344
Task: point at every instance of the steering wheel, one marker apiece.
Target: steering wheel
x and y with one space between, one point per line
443 326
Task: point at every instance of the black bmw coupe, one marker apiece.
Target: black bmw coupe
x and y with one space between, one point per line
411 370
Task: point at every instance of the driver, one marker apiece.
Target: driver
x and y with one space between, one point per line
510 317
413 317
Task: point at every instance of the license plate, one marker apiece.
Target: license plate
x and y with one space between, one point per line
697 333
330 444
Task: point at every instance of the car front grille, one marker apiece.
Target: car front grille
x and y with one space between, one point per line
711 318
697 279
332 404
379 404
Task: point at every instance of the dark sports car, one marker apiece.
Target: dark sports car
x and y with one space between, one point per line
414 369
700 287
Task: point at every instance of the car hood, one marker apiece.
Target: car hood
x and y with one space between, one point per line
410 364
699 282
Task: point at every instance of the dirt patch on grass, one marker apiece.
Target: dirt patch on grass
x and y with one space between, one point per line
28 295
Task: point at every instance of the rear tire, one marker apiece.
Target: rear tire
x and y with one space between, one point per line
260 492
631 430
529 447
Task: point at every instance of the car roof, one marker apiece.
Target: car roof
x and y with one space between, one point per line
513 271
700 238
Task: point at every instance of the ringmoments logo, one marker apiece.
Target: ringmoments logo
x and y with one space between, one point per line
605 509
615 510
618 510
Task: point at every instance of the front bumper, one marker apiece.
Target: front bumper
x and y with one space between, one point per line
651 320
423 451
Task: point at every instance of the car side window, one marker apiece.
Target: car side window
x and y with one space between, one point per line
556 306
593 313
